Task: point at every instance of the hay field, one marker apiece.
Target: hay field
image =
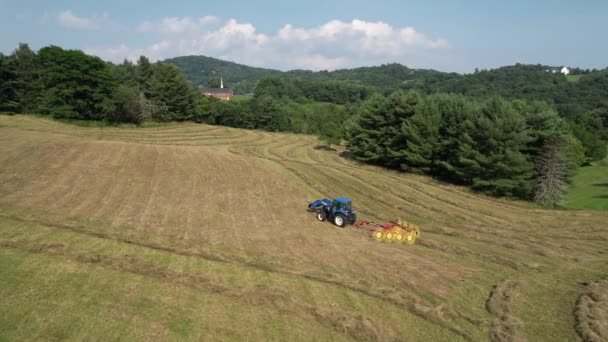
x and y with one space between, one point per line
200 232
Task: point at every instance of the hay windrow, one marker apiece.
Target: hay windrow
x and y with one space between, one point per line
505 326
591 312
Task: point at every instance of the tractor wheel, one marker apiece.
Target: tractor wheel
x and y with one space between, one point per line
321 216
410 238
339 220
417 230
378 235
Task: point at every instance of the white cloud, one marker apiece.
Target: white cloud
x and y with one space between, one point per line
71 21
177 25
332 45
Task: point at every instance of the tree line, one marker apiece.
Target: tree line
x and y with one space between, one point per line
69 84
495 146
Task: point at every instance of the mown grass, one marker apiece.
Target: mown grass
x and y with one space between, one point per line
590 189
573 78
66 284
187 270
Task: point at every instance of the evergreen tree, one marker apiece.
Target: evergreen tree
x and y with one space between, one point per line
367 135
498 164
417 143
171 88
26 72
8 78
144 74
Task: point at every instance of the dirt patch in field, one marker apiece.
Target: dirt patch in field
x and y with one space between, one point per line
591 312
505 326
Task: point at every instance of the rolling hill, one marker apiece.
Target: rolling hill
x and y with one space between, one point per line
197 232
198 69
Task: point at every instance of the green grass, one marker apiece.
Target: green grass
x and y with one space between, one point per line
590 189
240 98
573 78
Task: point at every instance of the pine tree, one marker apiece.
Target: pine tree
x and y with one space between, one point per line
169 86
367 134
144 74
417 142
26 72
7 84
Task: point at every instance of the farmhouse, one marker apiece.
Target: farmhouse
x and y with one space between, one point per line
219 93
563 70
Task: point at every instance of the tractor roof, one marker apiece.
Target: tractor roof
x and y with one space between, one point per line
342 200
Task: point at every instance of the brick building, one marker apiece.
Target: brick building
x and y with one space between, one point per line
219 93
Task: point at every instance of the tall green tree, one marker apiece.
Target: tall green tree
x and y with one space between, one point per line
124 106
499 166
330 133
417 143
144 72
8 78
26 72
74 84
171 88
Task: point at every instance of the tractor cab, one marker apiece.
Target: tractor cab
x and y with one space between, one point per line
342 204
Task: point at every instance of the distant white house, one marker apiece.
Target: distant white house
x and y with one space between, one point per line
562 70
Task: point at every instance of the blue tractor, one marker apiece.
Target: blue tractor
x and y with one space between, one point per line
339 211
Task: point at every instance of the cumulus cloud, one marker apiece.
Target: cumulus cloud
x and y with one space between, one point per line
177 25
69 20
332 45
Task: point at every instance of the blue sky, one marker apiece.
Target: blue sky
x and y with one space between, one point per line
320 34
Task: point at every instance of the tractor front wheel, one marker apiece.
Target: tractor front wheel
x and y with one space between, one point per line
321 216
339 220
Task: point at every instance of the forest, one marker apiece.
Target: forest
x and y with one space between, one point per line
515 131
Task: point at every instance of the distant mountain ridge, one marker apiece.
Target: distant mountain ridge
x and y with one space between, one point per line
200 69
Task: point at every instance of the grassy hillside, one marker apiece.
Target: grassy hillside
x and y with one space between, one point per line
199 69
590 189
200 232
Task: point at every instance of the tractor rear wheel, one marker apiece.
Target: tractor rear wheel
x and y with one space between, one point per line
339 220
321 216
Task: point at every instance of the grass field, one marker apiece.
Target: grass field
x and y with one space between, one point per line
573 78
590 189
200 232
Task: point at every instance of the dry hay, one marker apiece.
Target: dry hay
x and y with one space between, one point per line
591 312
505 326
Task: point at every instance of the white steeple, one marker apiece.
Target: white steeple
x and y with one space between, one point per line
221 82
